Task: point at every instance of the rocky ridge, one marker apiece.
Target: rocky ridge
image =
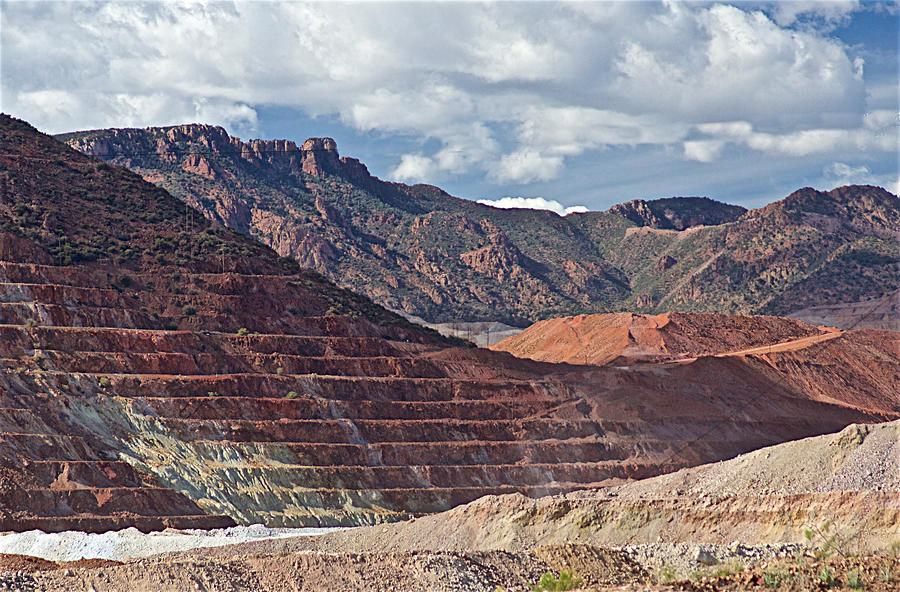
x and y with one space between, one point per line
422 251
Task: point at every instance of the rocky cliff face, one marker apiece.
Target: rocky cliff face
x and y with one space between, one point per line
678 213
157 369
419 250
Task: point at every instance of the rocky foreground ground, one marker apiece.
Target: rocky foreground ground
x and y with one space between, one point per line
646 567
815 514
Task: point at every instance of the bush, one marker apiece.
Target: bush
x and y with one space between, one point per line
188 310
550 583
666 575
291 395
212 394
279 371
243 332
104 382
124 280
30 324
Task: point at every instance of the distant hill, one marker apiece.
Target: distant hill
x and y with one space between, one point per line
422 251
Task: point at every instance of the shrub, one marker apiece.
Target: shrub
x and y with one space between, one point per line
243 332
104 382
124 280
30 324
291 395
551 583
279 371
854 580
188 310
212 394
723 571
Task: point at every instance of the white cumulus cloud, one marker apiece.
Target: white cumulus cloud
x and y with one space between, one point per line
840 173
415 168
533 203
510 92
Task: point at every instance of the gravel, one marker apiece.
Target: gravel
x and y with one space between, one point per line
685 558
129 543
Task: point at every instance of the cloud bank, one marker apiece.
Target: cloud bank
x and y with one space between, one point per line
511 92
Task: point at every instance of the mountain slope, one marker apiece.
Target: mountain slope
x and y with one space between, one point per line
420 250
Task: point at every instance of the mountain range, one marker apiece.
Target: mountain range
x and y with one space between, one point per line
420 251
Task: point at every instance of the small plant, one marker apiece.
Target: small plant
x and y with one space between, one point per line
124 280
243 332
30 324
826 577
212 394
291 395
832 540
188 310
771 580
551 583
723 571
104 382
667 575
279 371
854 580
39 359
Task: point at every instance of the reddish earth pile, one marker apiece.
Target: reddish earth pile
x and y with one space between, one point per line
627 337
130 396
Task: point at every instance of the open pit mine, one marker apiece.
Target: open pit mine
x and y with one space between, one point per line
158 370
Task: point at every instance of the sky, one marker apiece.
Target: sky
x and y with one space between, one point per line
560 106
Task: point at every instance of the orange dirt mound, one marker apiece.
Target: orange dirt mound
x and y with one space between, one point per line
626 337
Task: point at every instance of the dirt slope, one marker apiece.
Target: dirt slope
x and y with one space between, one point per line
879 313
603 338
851 478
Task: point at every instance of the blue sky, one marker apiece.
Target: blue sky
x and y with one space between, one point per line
584 104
